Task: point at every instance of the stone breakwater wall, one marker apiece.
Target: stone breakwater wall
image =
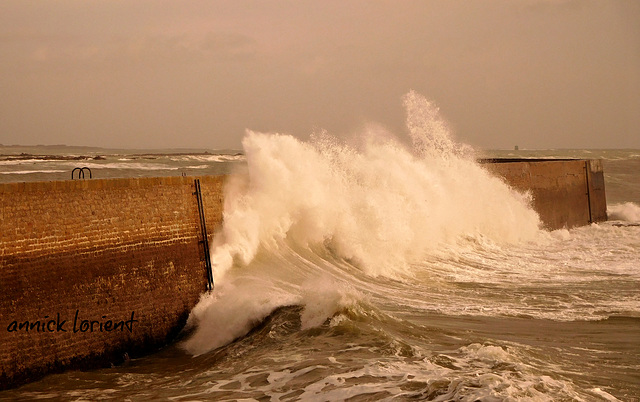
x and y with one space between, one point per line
93 269
566 193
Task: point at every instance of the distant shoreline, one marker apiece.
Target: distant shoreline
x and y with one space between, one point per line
79 150
43 157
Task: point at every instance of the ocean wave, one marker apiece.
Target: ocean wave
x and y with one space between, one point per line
377 238
627 212
210 158
311 223
384 367
32 171
128 166
11 162
378 205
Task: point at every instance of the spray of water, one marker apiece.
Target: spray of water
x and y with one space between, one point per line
378 205
627 211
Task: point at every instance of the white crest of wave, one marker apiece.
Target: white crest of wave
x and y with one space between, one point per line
627 211
378 205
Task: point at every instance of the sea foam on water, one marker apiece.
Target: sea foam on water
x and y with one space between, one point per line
627 211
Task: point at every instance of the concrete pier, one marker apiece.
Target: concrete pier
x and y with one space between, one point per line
566 192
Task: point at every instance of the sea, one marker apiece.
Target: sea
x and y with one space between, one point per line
387 266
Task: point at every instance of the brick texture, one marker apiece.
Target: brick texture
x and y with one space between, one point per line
98 250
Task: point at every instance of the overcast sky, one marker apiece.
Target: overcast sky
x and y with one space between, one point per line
158 73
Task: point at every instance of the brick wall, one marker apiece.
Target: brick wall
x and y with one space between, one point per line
98 268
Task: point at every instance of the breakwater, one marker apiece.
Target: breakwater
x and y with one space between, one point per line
91 270
565 192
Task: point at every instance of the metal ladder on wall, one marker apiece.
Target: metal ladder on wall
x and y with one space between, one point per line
205 238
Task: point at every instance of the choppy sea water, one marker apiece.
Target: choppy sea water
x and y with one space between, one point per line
39 163
371 270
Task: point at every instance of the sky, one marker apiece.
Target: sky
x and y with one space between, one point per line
539 74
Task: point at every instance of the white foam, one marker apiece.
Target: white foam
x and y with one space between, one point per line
32 171
125 165
627 211
564 275
23 161
603 394
232 310
475 372
209 158
377 204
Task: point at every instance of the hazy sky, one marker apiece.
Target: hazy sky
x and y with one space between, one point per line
158 73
